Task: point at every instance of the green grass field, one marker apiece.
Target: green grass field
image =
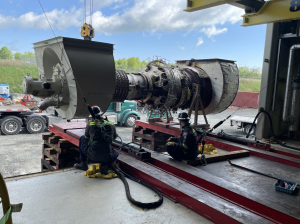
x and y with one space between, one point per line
13 76
249 85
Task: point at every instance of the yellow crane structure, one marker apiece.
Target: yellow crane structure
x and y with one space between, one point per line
256 11
87 30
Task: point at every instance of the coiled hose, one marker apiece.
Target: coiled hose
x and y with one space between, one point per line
122 174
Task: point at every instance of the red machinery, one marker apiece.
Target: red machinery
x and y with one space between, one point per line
28 101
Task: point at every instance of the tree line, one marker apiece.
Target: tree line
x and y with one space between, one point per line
132 64
247 72
5 53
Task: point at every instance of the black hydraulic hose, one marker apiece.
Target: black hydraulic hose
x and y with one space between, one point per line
234 138
272 130
150 205
219 124
122 175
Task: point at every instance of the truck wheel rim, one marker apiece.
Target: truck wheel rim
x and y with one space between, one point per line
11 126
131 121
36 125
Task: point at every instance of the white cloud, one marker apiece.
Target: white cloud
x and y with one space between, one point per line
213 31
150 15
168 16
199 42
181 48
59 19
98 4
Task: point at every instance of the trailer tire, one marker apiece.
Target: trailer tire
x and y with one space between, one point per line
130 120
247 128
36 125
11 125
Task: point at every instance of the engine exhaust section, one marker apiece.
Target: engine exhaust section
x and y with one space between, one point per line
73 68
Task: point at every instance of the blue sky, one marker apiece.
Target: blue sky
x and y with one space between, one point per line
138 28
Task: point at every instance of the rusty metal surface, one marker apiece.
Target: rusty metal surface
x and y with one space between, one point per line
69 125
157 128
231 146
259 185
73 140
175 127
76 133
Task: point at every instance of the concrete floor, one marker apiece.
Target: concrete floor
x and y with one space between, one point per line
52 199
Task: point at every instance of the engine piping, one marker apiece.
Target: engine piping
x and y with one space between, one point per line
287 96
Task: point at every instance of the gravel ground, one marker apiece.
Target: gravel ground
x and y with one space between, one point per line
21 154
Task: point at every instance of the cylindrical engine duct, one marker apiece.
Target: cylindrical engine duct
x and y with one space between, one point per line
162 87
41 88
48 102
138 86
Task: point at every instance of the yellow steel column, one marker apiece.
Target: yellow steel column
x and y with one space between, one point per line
5 198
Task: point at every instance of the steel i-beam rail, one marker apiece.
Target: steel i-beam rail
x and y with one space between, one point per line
263 12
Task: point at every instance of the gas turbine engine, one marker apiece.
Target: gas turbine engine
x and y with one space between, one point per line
72 68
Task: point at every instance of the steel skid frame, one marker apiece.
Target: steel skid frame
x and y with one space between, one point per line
216 199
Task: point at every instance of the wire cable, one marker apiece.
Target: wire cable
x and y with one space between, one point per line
84 11
62 50
92 12
272 130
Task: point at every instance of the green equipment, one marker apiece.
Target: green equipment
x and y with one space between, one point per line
123 113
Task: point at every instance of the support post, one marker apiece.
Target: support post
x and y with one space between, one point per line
5 198
195 106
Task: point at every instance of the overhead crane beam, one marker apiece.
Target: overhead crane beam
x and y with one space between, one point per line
257 12
195 5
274 11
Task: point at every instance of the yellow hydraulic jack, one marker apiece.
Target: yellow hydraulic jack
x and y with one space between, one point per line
7 207
94 171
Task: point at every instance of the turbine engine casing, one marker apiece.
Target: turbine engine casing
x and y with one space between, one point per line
71 69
